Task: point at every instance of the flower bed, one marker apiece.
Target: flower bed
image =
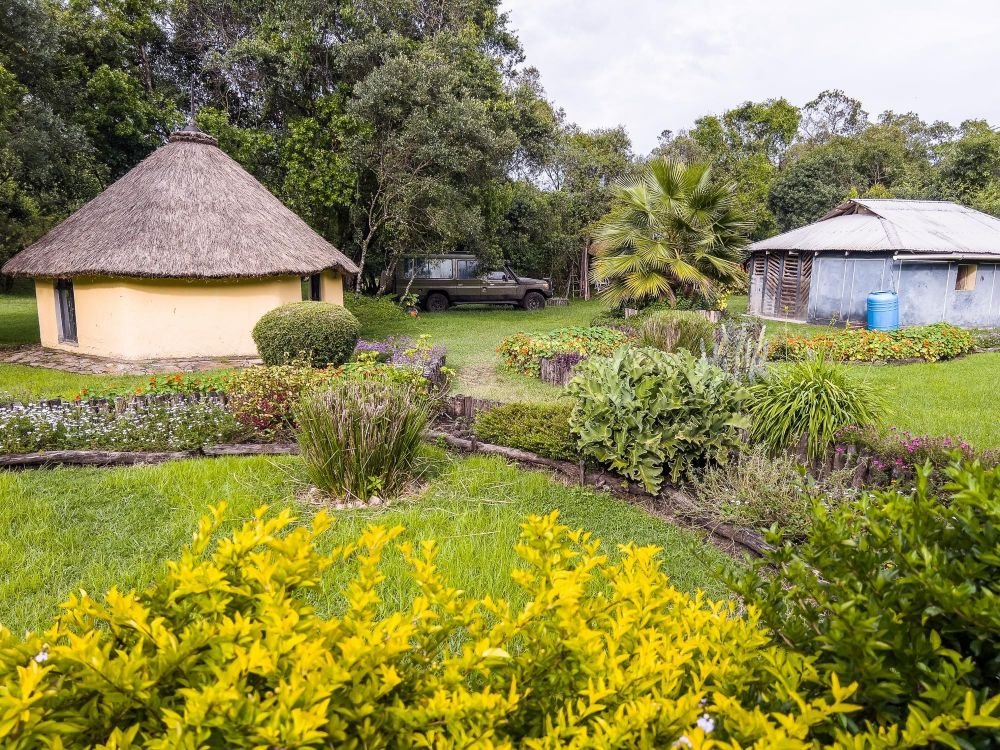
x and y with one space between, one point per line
930 343
523 352
135 425
895 453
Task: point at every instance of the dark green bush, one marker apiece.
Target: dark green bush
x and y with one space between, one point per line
815 398
643 412
379 316
671 331
899 593
321 333
539 428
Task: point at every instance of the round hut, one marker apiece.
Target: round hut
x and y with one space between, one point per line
179 258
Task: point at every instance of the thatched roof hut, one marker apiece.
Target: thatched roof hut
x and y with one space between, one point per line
186 211
178 258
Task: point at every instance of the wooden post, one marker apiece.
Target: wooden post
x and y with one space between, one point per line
585 271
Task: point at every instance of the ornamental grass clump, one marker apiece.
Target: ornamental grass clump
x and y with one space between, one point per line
813 399
359 439
671 330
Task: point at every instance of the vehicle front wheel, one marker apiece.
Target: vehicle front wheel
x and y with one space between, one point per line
533 301
437 302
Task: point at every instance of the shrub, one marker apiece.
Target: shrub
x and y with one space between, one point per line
539 428
897 452
741 350
522 352
321 333
756 491
403 350
643 411
670 331
262 398
930 343
159 385
223 649
379 316
359 438
172 426
815 398
899 594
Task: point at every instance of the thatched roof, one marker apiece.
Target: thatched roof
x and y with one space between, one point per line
868 225
186 211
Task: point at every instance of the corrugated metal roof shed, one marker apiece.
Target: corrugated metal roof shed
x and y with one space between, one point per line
867 225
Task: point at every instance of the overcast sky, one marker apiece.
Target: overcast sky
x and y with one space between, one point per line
656 64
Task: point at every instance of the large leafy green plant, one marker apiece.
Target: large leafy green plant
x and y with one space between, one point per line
814 398
899 593
671 229
646 413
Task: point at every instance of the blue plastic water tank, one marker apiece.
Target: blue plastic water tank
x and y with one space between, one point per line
883 311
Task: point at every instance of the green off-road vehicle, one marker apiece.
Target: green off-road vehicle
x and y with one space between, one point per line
440 281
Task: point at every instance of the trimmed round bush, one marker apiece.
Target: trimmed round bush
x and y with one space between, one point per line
321 333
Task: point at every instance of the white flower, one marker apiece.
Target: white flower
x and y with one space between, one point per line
683 741
706 723
42 656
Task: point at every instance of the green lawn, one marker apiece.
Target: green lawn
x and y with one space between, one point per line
944 398
18 319
66 529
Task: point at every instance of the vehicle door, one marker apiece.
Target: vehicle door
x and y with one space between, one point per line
500 286
468 283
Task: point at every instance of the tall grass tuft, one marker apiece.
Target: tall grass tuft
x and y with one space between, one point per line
670 331
815 398
360 439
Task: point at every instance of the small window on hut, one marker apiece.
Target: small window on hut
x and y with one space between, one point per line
66 311
311 288
965 281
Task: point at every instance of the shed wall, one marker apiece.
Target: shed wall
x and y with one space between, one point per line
927 293
136 319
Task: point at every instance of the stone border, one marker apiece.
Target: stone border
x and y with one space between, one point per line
48 459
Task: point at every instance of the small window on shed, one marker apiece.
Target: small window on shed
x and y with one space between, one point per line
966 279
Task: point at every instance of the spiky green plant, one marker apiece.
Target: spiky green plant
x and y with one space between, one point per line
670 229
360 439
815 398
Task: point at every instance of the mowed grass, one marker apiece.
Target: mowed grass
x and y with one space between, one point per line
18 319
959 397
472 334
63 530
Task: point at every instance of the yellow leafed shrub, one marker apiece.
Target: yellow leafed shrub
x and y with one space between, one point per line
224 651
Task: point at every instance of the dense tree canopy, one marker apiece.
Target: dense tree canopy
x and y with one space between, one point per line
403 126
391 126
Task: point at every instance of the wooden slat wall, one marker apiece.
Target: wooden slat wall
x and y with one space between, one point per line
786 282
772 285
805 282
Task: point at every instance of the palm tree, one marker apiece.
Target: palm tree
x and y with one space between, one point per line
670 229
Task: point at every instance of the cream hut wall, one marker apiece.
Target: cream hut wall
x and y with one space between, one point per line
178 258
